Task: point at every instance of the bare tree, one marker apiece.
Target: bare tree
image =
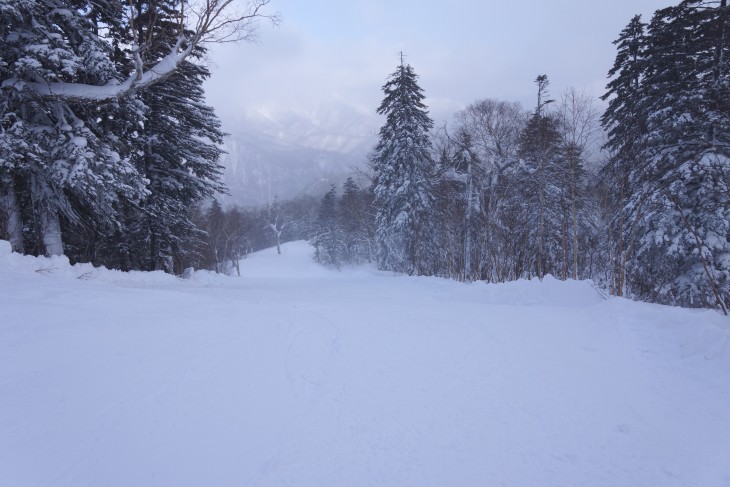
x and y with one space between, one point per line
276 222
494 128
579 129
201 22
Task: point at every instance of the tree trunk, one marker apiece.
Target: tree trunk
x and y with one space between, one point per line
467 229
621 270
574 211
10 208
51 231
564 232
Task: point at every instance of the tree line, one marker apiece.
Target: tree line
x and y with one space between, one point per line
109 154
106 142
508 193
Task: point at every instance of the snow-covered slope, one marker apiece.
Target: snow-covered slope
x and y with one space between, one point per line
297 375
289 152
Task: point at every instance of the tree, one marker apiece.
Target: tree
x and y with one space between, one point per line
494 128
539 152
329 241
678 204
355 221
276 222
70 104
463 177
578 127
198 24
70 167
177 149
625 123
404 178
689 159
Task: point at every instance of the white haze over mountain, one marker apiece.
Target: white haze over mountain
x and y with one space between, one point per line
300 104
288 152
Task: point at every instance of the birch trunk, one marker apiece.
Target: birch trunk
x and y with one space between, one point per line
51 232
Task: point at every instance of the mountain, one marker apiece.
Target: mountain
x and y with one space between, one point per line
292 151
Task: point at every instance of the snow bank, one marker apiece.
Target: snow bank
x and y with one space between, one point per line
58 267
548 292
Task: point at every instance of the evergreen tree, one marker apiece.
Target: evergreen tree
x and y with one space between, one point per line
540 151
72 170
177 149
215 223
404 179
625 124
354 219
680 200
668 131
329 241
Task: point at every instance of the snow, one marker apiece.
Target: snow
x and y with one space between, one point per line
297 375
80 142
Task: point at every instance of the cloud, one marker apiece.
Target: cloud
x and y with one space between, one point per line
330 50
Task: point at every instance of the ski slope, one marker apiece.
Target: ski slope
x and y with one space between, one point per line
297 375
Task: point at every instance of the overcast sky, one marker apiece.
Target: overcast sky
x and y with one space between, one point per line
463 50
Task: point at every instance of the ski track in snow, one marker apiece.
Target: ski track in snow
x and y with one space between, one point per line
297 375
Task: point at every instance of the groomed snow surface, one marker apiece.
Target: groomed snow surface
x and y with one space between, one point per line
298 375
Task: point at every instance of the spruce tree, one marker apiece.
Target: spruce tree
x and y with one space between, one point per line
540 151
329 242
72 170
686 209
625 124
177 149
404 179
354 219
669 130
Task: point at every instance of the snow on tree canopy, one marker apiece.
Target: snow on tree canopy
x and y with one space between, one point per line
404 178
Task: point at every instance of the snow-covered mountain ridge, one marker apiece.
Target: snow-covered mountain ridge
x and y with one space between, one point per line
288 152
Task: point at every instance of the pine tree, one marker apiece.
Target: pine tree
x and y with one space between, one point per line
354 218
215 230
539 152
625 123
73 171
404 179
683 195
669 132
329 241
177 149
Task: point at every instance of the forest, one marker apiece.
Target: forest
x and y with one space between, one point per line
110 155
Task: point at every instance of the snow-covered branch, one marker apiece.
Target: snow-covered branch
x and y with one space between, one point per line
202 22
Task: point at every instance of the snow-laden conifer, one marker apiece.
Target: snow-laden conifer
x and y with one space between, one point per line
404 179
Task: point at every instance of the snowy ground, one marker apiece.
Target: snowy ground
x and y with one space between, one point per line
296 375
